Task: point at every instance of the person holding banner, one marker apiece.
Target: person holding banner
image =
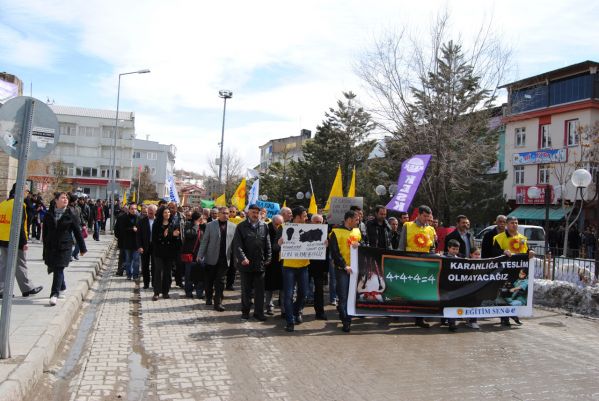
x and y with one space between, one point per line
318 269
511 242
418 237
341 240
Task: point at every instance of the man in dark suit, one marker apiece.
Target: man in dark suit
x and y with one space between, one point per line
461 235
125 230
144 238
487 248
215 253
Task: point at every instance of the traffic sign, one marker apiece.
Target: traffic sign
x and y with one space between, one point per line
45 131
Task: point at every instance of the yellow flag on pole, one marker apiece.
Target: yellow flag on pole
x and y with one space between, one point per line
312 209
134 197
285 203
220 201
351 192
336 189
238 198
124 197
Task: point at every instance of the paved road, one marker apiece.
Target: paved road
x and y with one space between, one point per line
128 347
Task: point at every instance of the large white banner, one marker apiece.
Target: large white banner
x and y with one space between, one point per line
304 241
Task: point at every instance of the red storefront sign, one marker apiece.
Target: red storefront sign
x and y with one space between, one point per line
522 197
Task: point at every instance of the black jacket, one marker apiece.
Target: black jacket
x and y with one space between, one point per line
144 234
123 231
252 243
165 247
58 239
487 250
455 234
191 244
372 234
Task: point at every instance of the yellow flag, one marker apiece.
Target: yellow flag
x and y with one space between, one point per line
134 197
124 198
351 192
238 198
312 209
336 189
220 201
285 203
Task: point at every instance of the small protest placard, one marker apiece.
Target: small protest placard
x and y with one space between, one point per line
304 241
341 205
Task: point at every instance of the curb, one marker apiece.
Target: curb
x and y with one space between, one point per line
24 377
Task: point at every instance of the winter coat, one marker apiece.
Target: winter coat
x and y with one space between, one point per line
254 244
123 231
58 239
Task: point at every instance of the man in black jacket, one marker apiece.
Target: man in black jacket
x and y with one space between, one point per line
487 249
461 235
125 230
144 239
252 251
378 231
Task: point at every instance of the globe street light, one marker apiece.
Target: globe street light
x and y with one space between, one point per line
225 94
116 127
581 179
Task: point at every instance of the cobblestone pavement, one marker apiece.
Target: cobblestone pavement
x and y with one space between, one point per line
129 347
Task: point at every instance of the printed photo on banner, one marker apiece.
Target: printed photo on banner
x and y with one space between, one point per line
304 241
396 284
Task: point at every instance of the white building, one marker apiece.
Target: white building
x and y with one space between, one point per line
85 150
160 160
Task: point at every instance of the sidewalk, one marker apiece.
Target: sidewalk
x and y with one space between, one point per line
36 329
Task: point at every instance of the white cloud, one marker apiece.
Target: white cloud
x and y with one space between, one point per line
196 48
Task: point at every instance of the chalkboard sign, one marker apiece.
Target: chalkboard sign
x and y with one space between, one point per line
411 279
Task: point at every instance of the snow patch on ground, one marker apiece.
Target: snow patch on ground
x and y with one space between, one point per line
579 299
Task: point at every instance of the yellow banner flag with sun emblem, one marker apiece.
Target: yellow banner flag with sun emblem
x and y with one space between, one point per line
238 198
220 201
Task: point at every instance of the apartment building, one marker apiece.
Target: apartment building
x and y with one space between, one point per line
160 160
550 121
283 149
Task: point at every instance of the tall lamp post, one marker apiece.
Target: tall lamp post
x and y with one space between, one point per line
225 94
116 126
581 179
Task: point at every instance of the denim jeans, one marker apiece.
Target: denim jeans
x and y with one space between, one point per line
291 276
58 283
342 292
332 283
131 262
191 284
97 224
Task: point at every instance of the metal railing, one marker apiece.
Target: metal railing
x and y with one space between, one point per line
576 270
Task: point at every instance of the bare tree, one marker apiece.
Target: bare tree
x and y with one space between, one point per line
434 97
232 170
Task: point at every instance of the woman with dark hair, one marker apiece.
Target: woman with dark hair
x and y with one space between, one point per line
166 240
59 228
189 252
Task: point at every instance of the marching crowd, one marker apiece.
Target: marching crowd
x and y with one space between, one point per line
207 249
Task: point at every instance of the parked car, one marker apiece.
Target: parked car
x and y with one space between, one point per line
535 235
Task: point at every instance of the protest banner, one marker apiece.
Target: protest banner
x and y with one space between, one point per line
304 241
272 208
341 205
392 283
412 171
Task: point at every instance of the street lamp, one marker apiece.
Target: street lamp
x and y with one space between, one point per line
581 179
116 126
225 94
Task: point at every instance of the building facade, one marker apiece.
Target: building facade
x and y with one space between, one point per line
551 123
160 160
84 152
283 149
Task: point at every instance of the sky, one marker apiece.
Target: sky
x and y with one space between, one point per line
285 62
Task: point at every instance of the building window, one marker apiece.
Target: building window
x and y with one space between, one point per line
518 175
137 155
107 132
544 173
152 156
67 130
572 134
520 139
545 137
153 171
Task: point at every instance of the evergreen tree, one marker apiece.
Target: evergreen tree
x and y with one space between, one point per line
144 185
341 140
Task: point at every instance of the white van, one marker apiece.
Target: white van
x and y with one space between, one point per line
535 235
